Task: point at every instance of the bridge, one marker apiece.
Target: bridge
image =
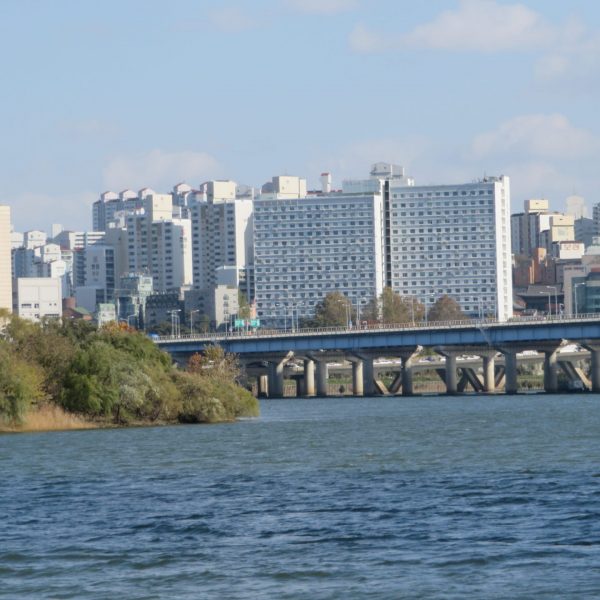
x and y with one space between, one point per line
490 340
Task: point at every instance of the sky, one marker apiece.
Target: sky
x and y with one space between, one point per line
131 93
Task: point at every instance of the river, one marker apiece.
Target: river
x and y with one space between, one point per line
430 497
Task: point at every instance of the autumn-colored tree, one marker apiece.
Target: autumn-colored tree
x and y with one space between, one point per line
334 310
391 307
446 308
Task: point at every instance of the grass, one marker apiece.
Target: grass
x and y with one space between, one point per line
48 417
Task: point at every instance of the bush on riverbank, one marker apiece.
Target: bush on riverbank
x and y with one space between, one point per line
113 374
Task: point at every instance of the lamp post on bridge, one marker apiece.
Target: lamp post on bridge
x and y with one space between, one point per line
552 287
175 330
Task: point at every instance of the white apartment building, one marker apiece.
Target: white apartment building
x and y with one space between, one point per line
171 261
222 235
34 239
454 240
36 298
6 297
306 247
74 240
159 245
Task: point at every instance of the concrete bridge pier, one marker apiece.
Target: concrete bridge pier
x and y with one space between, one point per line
275 385
275 368
550 371
510 371
357 376
407 372
451 376
368 376
262 386
322 377
489 371
309 378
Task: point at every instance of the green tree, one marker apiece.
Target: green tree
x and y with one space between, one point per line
244 309
446 308
334 310
391 307
20 385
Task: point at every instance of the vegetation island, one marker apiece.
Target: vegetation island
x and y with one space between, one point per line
67 375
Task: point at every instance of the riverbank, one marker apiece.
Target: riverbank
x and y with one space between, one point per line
48 418
59 376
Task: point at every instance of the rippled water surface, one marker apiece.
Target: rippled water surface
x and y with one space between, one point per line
480 497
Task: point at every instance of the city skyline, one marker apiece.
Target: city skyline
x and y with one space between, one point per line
131 95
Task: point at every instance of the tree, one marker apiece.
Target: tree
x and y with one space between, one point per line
20 385
446 309
400 309
391 307
370 311
244 310
334 310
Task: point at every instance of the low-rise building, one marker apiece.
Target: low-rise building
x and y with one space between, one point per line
37 298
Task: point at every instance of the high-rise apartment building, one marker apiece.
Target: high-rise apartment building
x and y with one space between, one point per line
159 245
6 299
222 234
422 241
454 240
305 247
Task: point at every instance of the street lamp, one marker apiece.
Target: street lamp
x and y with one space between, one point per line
480 304
192 320
575 296
129 317
174 321
284 306
358 322
552 287
295 306
432 298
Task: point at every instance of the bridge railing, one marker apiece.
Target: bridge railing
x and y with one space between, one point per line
373 327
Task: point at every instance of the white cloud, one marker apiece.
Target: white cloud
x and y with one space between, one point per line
543 136
475 25
160 169
483 25
232 19
322 7
566 53
574 58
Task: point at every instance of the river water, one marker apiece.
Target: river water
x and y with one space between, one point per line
431 497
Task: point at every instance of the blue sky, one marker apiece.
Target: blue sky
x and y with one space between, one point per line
109 95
